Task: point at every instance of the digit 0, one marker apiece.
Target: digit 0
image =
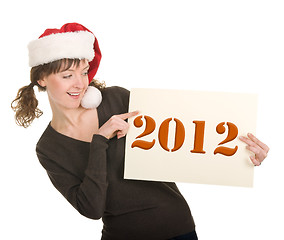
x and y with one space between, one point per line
164 134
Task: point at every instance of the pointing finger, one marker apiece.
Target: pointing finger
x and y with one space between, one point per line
125 116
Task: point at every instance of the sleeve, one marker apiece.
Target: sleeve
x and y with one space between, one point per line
87 195
116 101
125 98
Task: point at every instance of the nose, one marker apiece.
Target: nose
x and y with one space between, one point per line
79 81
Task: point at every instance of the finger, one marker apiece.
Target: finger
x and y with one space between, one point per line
258 142
121 126
123 130
255 150
254 147
125 116
121 133
260 154
254 161
112 126
247 141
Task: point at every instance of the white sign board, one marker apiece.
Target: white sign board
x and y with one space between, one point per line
190 136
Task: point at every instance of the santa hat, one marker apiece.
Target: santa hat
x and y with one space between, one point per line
71 41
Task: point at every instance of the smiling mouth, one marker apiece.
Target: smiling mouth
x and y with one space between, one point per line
73 94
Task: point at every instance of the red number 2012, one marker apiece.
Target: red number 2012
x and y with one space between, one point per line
180 135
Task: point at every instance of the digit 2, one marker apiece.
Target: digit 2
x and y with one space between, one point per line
232 134
150 127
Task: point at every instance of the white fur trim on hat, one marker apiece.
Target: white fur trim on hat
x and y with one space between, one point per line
92 98
61 45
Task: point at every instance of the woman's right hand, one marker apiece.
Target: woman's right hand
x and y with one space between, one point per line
116 125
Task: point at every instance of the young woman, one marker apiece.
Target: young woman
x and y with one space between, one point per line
82 148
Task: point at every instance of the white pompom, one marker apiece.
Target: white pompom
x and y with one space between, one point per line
92 98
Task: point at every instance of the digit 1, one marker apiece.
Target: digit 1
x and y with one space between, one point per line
199 137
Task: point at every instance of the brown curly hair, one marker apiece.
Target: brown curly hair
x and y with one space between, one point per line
25 104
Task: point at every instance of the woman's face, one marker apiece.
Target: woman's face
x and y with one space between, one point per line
66 88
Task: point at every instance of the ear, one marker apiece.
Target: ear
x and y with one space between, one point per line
42 82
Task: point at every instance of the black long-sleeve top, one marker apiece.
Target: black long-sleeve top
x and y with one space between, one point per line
90 177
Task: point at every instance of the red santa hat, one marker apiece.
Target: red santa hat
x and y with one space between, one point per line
71 41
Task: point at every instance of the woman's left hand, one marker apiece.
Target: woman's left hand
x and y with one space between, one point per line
259 149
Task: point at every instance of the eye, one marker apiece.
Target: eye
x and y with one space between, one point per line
67 76
85 73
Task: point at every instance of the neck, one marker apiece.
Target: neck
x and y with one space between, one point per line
65 118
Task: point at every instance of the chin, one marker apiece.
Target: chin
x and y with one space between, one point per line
75 106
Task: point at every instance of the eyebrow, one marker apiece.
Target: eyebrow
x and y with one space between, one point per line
72 70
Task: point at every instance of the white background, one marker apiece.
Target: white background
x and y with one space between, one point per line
199 45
